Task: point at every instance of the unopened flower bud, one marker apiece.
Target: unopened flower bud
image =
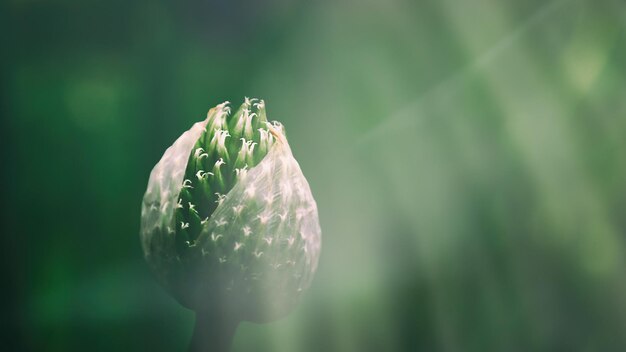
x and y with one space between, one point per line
228 220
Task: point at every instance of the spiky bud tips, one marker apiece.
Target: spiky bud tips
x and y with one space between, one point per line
228 219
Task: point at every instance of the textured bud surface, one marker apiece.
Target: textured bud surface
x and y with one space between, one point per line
228 218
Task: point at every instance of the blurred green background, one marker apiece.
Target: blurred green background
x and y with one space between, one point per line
468 159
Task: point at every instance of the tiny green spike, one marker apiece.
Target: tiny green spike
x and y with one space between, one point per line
229 224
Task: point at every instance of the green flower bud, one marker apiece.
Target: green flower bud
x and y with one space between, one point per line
228 220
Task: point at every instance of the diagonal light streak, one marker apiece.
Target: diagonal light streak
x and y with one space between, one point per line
403 115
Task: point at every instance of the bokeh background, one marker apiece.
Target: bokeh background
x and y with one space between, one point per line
468 159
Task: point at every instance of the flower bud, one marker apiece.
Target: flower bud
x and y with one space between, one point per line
228 220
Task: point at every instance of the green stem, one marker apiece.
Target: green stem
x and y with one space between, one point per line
213 333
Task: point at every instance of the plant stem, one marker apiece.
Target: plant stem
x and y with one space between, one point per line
213 332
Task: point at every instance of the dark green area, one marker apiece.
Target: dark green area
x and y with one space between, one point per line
202 192
468 160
